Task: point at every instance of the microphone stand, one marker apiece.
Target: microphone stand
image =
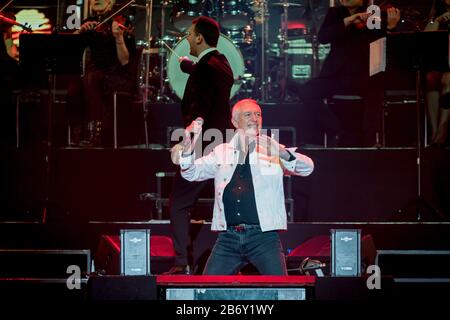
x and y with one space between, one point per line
264 37
145 92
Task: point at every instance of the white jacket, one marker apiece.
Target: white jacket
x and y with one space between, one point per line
267 176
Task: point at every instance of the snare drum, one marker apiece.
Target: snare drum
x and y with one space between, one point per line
178 79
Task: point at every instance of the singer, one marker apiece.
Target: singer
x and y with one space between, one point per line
249 207
205 104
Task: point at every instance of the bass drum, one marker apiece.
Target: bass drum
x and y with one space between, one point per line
178 79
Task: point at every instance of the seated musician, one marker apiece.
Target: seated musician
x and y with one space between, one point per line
9 56
438 82
346 69
108 68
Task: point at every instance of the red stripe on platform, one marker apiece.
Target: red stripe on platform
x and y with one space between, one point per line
235 280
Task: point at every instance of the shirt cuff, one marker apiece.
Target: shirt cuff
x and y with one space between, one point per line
291 156
185 161
290 163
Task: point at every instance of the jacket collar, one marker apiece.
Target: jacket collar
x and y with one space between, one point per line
205 52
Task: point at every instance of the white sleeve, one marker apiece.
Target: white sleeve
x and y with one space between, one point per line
301 166
201 169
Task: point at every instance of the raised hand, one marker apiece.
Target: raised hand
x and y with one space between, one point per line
272 147
393 17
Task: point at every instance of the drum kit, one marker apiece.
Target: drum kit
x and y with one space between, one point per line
161 76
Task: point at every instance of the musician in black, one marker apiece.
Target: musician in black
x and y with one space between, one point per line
438 82
109 66
346 69
9 56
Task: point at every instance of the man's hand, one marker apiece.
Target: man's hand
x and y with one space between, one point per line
117 31
393 17
175 153
88 25
184 58
194 129
273 148
356 18
443 19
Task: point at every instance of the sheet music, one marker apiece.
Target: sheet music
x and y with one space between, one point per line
377 56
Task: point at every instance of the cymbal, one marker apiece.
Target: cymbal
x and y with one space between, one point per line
286 4
174 32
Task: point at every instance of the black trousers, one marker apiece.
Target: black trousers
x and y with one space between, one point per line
95 91
183 197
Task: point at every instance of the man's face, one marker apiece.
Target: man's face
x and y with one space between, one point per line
100 5
352 3
249 119
192 38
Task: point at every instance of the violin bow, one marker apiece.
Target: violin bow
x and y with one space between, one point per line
114 14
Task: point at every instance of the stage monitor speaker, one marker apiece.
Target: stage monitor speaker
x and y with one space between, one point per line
346 252
121 288
352 288
107 256
40 263
414 264
135 252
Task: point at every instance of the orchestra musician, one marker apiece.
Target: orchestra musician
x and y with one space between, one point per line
345 71
438 82
9 57
109 66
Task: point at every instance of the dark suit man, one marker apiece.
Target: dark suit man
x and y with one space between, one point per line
206 100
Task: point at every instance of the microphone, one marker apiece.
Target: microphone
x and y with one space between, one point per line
190 135
200 121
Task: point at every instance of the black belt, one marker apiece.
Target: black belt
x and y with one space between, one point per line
243 227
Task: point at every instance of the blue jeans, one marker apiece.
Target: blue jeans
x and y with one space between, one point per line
243 244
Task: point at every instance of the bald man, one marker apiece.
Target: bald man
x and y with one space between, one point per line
249 206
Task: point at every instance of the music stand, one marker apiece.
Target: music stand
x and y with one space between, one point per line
419 51
49 55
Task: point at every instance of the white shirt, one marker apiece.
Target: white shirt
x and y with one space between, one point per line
205 52
267 176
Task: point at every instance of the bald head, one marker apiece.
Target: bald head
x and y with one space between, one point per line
246 115
241 104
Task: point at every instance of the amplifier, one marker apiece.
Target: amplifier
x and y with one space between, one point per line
135 252
346 252
414 264
34 263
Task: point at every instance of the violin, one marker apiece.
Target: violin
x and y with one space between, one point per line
123 22
105 27
6 22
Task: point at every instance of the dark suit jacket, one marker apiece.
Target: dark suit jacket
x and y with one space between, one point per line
350 46
207 92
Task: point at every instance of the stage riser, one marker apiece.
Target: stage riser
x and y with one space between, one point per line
40 290
43 263
415 264
79 236
235 294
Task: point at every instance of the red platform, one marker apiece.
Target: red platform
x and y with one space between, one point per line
235 281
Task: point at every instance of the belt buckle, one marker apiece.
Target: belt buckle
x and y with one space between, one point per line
239 228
